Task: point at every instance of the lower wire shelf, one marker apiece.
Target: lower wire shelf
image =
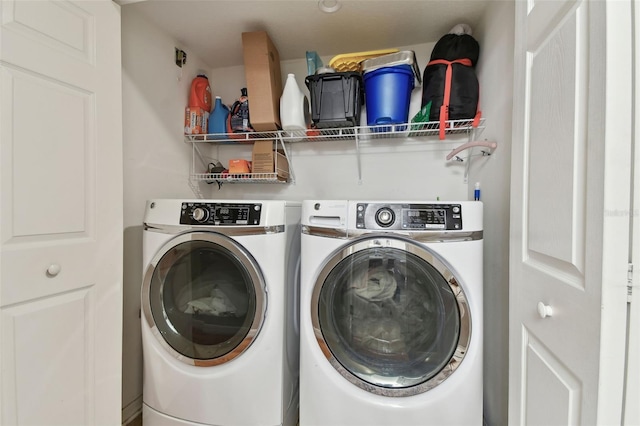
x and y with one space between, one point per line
360 135
239 178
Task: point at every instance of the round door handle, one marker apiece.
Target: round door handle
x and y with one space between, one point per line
544 310
53 270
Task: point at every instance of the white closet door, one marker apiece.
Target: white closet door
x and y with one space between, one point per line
60 213
632 408
569 212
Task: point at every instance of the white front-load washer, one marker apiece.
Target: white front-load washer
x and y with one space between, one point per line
220 328
391 313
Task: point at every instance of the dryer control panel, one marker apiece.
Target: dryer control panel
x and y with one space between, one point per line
387 216
220 214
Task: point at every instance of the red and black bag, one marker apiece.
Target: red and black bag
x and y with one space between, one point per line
450 82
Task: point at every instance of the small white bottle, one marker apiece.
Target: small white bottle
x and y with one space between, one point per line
294 109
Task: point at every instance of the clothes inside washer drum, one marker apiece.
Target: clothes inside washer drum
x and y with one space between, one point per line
217 304
213 294
375 285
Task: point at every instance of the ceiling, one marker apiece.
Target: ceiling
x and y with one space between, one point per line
211 29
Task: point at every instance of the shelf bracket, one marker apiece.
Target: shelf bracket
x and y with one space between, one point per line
292 176
193 184
357 141
197 153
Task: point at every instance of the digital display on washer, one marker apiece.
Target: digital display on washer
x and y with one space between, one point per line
225 214
424 218
230 214
432 216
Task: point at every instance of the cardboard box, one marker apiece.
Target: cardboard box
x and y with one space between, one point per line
196 121
264 80
265 159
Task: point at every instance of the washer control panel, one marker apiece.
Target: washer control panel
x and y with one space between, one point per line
217 214
385 216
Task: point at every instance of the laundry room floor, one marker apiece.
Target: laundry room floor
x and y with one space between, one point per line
136 421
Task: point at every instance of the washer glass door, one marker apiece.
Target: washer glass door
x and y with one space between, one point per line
391 316
206 298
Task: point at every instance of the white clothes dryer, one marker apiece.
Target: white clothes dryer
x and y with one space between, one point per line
220 328
391 313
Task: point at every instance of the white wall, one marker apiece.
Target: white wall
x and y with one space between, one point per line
495 72
157 163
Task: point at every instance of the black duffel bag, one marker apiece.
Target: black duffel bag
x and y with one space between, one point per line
449 80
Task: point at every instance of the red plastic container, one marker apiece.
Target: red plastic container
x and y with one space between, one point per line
200 94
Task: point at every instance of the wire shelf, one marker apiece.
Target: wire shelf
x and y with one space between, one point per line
361 135
233 138
239 178
385 131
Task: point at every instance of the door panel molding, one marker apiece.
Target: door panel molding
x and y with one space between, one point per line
58 25
564 272
65 209
37 376
550 376
555 153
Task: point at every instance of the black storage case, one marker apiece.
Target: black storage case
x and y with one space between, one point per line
336 99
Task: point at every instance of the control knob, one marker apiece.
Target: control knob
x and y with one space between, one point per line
200 214
385 217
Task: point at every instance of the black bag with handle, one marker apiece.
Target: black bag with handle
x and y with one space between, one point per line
449 80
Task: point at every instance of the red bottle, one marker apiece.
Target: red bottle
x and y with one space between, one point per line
200 95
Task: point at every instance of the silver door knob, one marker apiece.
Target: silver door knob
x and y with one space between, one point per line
53 270
544 310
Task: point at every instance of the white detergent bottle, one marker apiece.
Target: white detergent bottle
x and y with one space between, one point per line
294 109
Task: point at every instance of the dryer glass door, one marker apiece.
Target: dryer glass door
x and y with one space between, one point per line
206 298
392 316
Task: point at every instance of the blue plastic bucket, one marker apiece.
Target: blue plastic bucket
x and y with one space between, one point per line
388 94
